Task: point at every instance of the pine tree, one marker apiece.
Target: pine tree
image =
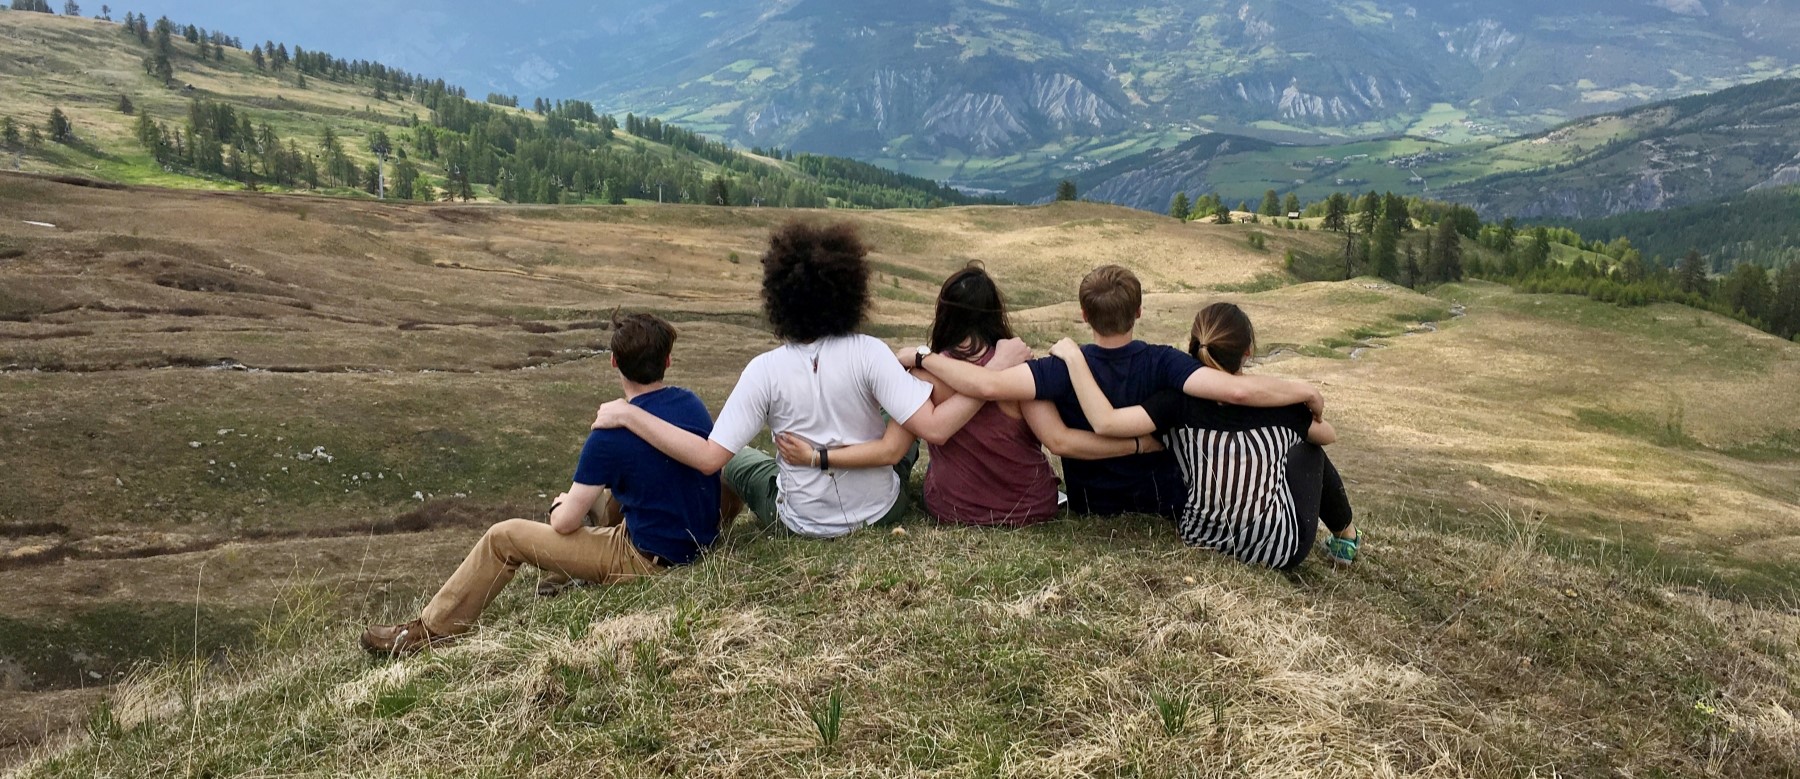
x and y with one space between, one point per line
1509 234
1178 207
719 193
256 58
1784 314
1292 206
1065 190
9 133
1747 290
60 129
125 106
1271 204
1691 275
71 8
1410 272
1368 213
1446 263
1222 216
1384 252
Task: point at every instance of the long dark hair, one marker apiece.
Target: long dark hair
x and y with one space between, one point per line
969 308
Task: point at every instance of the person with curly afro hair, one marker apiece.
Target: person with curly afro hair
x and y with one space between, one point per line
826 387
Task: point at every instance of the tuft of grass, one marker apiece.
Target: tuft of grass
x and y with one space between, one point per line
1173 711
828 718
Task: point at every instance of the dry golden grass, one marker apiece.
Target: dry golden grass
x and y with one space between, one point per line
1580 542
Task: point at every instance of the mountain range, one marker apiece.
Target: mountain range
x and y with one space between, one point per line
994 93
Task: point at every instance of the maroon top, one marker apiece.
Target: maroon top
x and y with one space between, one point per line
992 472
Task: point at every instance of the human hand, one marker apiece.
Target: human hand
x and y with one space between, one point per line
796 451
1009 353
1066 349
906 355
1316 404
1149 444
614 414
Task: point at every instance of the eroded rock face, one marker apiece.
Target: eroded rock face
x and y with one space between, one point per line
952 111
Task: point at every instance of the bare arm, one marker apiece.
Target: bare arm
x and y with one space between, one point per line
688 449
1256 391
882 452
1069 443
1107 421
1322 433
984 383
937 421
570 508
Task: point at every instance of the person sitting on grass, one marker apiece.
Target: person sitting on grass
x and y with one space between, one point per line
993 470
1258 481
1130 372
825 384
670 512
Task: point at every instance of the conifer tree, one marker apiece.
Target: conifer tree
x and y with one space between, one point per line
1691 275
1384 251
1271 204
1065 190
719 193
1222 216
256 58
1292 206
1747 290
71 8
9 133
60 129
1178 207
125 106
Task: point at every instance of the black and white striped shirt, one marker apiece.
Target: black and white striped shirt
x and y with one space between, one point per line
1233 461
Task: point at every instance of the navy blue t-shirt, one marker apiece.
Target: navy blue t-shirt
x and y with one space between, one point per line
671 510
1129 376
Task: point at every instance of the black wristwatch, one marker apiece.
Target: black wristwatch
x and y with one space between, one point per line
919 357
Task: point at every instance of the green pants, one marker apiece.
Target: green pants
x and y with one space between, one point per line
752 475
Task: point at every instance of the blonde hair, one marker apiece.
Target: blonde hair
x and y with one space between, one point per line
1221 337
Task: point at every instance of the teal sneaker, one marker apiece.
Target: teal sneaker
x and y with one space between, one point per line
1342 551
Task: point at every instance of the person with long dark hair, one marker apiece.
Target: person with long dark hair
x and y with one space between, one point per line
992 470
826 384
1258 482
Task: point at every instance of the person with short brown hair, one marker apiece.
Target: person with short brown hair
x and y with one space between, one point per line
827 385
1129 371
658 513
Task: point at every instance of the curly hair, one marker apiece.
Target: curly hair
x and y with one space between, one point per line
815 281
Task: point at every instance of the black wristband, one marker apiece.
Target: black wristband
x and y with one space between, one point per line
551 514
1137 444
824 459
919 360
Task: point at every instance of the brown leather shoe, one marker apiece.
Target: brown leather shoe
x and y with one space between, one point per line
401 640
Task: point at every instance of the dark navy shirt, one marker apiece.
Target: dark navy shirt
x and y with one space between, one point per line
671 510
1129 376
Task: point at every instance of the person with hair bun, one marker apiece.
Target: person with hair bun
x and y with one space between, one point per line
1258 482
826 385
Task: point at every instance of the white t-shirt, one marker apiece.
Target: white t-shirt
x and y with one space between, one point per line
830 392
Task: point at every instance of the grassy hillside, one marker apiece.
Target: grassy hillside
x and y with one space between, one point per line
240 426
85 68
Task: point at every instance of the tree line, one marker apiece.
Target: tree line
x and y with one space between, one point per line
1421 243
562 151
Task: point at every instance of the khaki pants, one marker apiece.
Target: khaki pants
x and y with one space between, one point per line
597 554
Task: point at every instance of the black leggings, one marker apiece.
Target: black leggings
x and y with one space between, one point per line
1318 497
